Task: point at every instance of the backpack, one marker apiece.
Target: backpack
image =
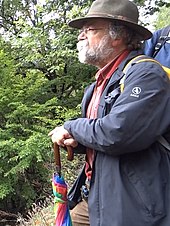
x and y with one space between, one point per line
136 60
162 39
158 46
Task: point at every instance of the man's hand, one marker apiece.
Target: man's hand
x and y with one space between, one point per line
62 137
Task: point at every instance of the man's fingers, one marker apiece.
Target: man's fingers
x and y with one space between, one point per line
62 137
57 139
70 142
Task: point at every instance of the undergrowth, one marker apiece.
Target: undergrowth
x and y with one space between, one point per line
41 214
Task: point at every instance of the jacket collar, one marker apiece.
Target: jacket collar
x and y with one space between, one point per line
119 72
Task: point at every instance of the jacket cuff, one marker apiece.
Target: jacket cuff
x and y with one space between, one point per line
67 126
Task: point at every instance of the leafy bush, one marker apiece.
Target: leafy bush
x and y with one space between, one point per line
28 111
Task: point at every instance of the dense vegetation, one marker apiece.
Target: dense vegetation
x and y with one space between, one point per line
41 85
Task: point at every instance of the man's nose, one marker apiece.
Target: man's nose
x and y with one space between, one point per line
82 36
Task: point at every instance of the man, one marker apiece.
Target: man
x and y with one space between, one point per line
158 46
127 169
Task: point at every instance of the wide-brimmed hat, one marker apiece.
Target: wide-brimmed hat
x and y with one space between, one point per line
124 11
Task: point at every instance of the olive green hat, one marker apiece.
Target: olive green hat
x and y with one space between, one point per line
123 11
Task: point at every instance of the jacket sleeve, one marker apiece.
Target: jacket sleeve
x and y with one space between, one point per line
137 118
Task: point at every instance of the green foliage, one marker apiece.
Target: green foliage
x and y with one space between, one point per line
28 111
23 140
163 18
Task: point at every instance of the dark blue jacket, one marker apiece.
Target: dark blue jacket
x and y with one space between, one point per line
163 56
131 176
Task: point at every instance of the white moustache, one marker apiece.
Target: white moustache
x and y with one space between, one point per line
82 44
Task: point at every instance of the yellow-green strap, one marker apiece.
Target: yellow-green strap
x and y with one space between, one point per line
138 59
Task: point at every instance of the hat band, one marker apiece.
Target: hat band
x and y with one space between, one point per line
116 17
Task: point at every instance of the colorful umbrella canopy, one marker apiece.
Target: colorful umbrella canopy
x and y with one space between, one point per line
61 210
62 214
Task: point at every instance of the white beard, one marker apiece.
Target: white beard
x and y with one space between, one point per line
96 54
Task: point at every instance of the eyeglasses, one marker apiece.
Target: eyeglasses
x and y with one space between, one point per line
86 30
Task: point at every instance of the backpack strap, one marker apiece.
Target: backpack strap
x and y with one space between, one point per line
162 39
125 70
138 59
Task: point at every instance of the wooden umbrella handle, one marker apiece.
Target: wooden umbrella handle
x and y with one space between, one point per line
70 156
70 153
57 156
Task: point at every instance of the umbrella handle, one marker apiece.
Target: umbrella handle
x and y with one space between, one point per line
70 156
70 153
57 156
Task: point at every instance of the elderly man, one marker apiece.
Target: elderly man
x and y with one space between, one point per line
126 177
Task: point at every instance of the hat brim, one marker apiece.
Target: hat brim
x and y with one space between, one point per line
142 31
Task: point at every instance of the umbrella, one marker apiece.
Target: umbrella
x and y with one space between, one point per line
62 214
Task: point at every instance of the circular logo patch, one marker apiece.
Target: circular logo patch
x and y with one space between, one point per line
136 90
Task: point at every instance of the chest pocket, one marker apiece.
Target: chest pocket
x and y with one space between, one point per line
111 98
